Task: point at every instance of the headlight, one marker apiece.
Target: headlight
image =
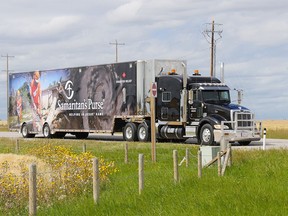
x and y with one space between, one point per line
218 127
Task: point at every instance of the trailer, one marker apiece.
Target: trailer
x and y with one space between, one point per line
112 98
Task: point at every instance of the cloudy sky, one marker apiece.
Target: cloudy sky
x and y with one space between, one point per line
51 34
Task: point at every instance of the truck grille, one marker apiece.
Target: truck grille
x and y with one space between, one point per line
243 120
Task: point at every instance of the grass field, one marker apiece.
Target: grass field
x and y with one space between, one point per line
256 184
277 129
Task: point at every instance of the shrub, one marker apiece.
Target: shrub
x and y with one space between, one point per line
60 172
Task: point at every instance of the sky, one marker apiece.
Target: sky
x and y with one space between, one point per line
253 46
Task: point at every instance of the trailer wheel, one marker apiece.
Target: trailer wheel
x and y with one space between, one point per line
130 132
143 132
244 143
206 135
82 135
46 131
25 132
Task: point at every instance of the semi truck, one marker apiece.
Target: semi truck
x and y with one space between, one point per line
115 98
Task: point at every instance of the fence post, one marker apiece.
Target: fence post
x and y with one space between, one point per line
226 161
17 147
175 165
126 153
32 190
96 181
230 155
199 163
264 139
187 157
219 163
141 172
84 148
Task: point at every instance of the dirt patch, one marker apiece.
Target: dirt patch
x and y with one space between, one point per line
15 164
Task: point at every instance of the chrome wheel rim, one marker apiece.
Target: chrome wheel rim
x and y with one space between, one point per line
129 133
142 133
206 135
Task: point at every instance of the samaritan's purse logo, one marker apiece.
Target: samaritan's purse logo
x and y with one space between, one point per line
68 88
80 103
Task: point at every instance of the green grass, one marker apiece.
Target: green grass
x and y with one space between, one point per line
256 184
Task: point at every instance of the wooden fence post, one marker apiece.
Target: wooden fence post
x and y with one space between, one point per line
141 173
187 157
84 148
175 162
199 163
32 190
96 181
126 153
230 155
226 161
219 163
17 147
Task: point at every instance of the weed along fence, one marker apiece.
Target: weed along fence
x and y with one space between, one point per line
56 172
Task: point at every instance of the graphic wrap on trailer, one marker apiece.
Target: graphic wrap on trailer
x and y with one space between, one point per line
82 98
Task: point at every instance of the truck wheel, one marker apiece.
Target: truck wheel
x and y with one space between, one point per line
143 132
244 143
130 132
82 135
206 135
25 132
46 131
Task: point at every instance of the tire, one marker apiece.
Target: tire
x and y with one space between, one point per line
206 135
244 143
25 132
82 135
143 132
46 131
130 132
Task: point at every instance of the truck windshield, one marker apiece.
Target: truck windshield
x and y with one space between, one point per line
216 96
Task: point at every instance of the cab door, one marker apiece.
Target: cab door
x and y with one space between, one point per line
195 109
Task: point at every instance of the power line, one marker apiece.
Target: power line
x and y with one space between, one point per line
116 45
210 32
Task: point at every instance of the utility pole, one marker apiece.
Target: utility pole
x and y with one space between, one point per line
7 83
211 34
116 45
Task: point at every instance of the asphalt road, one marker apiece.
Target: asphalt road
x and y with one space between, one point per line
270 143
